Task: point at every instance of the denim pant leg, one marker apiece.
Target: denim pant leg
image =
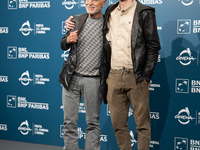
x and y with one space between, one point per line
71 100
92 101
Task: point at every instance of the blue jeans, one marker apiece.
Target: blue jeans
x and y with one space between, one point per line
89 88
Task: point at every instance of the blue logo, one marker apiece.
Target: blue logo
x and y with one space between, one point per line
12 4
184 26
180 143
182 86
11 101
12 52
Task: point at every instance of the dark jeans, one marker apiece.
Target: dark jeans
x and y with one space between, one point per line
122 90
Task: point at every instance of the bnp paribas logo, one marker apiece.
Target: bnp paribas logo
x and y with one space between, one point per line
183 26
12 4
188 26
180 143
23 4
182 86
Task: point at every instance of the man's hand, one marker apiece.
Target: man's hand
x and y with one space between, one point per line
69 24
73 37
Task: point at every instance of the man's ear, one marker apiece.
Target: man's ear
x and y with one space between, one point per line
104 3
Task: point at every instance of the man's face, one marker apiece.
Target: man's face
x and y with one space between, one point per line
94 7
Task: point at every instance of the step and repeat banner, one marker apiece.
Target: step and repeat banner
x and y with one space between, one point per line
31 58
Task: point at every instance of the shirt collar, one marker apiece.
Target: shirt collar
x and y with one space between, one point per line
132 5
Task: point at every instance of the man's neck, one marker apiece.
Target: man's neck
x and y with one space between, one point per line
95 16
123 4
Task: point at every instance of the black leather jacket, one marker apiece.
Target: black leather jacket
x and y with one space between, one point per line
70 64
144 41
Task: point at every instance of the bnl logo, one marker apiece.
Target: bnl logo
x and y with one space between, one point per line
12 52
182 86
12 4
11 101
180 143
184 26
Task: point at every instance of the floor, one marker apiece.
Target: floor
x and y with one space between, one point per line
13 145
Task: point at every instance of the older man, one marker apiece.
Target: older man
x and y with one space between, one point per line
84 74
